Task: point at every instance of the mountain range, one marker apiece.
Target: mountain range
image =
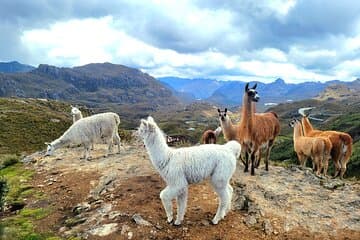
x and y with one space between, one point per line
107 86
14 66
100 86
228 93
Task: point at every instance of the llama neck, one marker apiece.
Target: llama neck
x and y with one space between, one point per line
228 128
306 125
297 131
218 131
247 113
58 143
157 148
77 117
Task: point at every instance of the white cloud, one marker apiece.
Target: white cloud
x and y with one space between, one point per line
180 38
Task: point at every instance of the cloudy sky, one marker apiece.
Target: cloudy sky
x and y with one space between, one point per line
296 40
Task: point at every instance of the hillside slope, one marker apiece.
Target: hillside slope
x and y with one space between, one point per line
118 196
103 87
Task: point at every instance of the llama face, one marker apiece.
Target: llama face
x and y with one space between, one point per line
75 111
222 114
145 129
252 93
49 150
293 122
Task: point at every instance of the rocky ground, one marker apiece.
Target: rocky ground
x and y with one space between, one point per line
118 198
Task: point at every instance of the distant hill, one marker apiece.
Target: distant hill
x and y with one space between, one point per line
14 67
198 87
102 86
341 91
229 93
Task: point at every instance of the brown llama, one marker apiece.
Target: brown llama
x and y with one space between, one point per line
209 136
256 130
341 143
317 148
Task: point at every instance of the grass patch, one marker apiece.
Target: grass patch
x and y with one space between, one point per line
21 226
36 213
8 160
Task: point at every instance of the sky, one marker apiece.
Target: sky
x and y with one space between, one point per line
297 40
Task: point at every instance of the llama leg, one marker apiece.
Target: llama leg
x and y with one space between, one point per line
87 152
224 198
246 169
117 141
337 168
268 150
166 196
258 159
326 165
253 156
230 193
181 201
342 171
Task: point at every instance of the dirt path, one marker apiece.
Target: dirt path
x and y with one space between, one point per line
98 199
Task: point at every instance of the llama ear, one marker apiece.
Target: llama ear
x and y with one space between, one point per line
254 87
150 119
47 144
246 87
143 121
225 110
219 110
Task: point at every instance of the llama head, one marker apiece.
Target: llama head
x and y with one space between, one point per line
50 149
146 128
252 93
223 115
305 112
293 122
75 110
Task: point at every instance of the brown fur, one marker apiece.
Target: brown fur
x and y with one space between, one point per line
208 137
341 145
256 130
317 148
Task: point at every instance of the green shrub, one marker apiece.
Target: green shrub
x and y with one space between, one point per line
126 135
3 191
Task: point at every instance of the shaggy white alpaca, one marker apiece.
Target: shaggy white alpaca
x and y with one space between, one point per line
180 167
86 131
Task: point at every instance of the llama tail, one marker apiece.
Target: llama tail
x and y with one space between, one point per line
346 148
117 119
235 147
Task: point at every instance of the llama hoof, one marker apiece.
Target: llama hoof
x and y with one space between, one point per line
177 223
169 220
214 221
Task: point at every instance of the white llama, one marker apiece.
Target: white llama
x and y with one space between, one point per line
86 131
76 113
180 167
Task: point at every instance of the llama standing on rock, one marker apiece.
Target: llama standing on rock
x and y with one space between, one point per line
76 113
180 167
86 131
341 143
317 148
210 136
256 130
